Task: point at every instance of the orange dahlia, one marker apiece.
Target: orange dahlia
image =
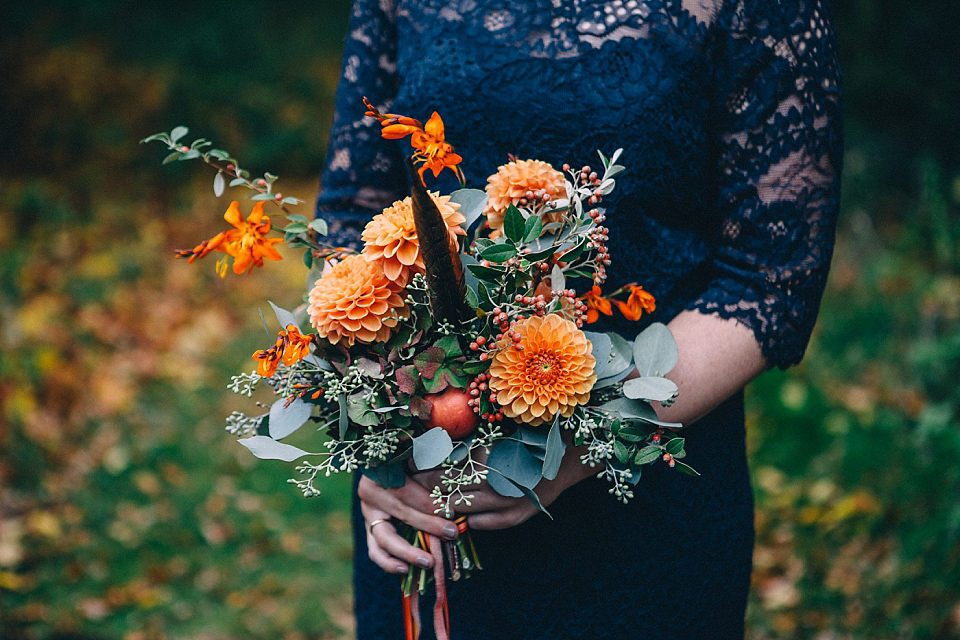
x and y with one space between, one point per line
390 238
355 302
549 371
513 180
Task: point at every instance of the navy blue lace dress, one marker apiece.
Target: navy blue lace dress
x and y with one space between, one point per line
728 113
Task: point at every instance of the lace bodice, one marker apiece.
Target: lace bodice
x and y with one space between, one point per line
729 116
728 113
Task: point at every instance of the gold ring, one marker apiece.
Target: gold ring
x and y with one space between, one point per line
375 523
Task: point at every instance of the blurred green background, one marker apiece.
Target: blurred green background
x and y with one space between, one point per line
126 512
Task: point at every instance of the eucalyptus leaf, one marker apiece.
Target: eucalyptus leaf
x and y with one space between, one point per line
266 448
606 382
472 203
556 447
655 350
511 459
650 388
431 448
388 476
621 357
637 409
600 346
287 418
284 317
532 438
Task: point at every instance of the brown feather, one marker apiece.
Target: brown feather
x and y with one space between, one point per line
441 256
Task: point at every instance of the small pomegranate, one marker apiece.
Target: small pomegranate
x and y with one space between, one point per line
451 413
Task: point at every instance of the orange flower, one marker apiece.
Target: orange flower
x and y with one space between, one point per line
391 237
246 242
291 347
268 359
432 150
355 302
548 372
510 184
596 304
297 346
638 302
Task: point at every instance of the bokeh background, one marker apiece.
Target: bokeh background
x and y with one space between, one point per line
126 512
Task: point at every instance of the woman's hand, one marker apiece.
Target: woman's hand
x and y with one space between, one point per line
490 510
410 503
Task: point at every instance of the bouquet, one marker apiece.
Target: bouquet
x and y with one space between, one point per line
454 339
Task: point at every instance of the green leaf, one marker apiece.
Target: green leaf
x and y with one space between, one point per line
317 224
262 196
631 434
287 418
620 356
177 133
156 136
451 347
308 258
650 388
655 351
674 446
236 182
266 448
498 253
685 468
219 154
431 448
556 447
472 298
190 155
296 217
290 200
488 274
513 224
360 412
543 254
296 227
575 252
532 228
600 349
647 455
171 157
621 452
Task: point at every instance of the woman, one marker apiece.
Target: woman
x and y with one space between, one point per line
728 112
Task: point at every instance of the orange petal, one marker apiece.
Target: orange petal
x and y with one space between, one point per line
233 215
434 126
397 131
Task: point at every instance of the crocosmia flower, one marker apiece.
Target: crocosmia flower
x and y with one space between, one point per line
247 242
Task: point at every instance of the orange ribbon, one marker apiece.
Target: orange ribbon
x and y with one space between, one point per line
441 609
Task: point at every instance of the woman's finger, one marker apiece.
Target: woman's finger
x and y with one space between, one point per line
375 551
410 503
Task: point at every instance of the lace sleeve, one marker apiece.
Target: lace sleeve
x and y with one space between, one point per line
360 177
780 151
